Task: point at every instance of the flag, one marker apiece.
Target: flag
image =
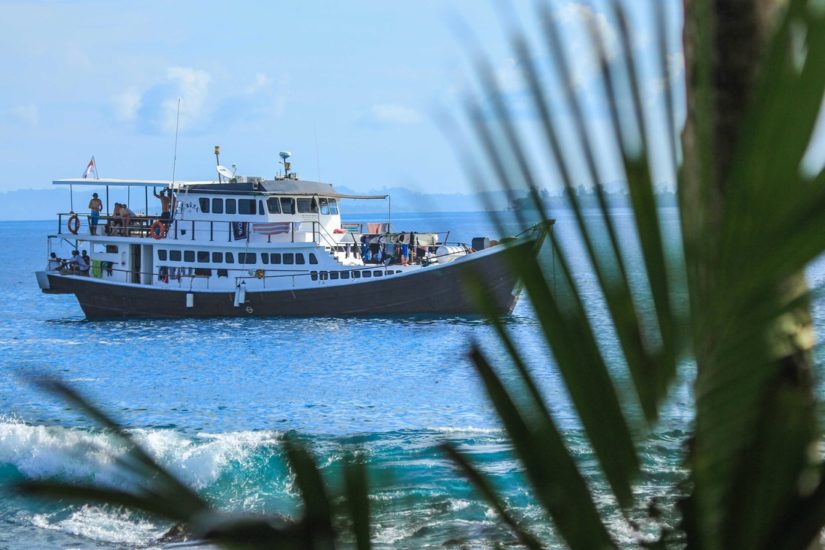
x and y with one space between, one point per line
239 230
271 228
90 168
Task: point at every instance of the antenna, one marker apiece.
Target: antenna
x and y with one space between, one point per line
317 156
175 157
218 162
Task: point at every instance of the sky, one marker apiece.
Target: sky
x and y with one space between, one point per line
356 90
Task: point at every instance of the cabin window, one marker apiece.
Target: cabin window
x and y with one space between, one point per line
203 271
203 256
265 258
367 274
246 258
223 273
356 274
324 275
162 255
377 273
307 206
111 249
230 206
188 255
324 206
273 205
313 275
217 206
217 257
287 205
333 207
275 258
261 208
204 203
246 206
345 274
333 275
312 259
299 259
174 255
289 258
229 257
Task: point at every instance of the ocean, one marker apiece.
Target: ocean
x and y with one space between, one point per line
212 400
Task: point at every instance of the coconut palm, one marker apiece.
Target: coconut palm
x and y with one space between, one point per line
750 223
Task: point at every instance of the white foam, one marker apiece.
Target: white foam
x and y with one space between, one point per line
45 451
103 525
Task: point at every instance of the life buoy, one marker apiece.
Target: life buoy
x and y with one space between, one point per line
339 231
73 224
259 273
158 230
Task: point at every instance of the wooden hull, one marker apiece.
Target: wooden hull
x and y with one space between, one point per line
429 291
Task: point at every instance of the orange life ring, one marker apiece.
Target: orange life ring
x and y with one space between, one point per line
73 224
158 230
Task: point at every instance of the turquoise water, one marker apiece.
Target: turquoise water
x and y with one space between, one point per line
213 398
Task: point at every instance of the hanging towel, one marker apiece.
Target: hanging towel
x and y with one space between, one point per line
97 268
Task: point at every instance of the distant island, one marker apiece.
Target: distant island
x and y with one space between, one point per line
43 204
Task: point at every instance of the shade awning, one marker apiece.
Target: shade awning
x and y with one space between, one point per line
126 183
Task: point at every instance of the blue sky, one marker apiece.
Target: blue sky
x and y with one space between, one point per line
350 88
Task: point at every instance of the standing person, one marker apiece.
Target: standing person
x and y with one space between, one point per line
165 197
127 215
95 206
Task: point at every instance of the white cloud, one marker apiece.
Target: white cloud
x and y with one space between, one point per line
27 116
192 87
260 83
127 104
395 114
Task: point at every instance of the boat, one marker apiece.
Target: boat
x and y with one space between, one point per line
245 246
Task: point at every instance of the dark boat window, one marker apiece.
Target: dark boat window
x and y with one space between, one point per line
261 207
204 202
275 258
217 257
246 257
287 205
230 258
289 258
203 271
223 273
356 274
273 205
307 206
324 206
174 255
367 274
203 256
246 206
111 249
377 273
313 275
312 259
324 276
217 206
345 274
299 259
265 258
333 207
333 275
188 255
162 255
230 206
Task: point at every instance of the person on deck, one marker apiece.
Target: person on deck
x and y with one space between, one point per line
126 214
55 263
83 263
73 263
165 197
95 206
